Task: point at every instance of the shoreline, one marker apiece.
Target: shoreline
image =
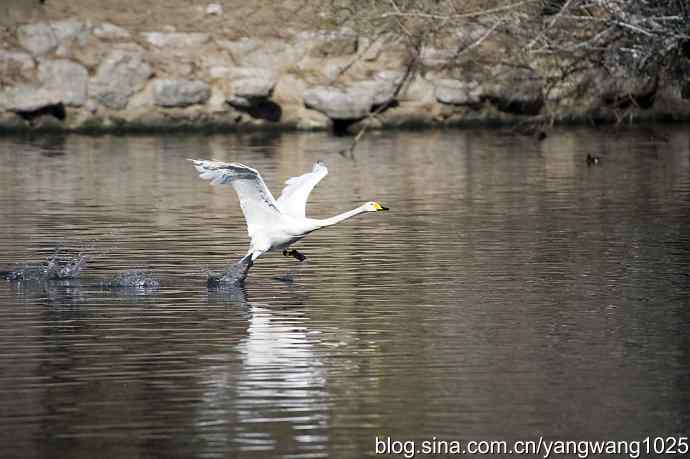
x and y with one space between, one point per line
178 128
539 134
83 76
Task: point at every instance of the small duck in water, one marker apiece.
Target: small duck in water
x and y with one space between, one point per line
592 159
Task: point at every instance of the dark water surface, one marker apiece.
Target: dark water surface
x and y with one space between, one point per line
511 292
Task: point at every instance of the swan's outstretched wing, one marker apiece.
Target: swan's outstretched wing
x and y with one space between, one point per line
293 199
258 205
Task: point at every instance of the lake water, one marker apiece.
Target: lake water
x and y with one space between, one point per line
511 292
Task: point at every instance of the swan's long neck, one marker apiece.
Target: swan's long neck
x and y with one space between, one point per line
322 223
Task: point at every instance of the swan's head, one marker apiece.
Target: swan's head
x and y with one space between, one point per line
372 206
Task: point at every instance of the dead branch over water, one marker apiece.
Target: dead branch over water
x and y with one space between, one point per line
556 39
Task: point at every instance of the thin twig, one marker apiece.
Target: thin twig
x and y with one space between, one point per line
551 24
409 71
472 14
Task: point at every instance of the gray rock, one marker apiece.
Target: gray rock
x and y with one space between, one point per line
220 72
275 55
239 102
339 104
214 9
21 61
240 48
248 84
253 87
91 106
176 39
332 43
312 120
354 102
379 92
252 82
26 99
67 79
216 102
71 29
418 90
289 90
454 92
38 38
246 81
433 57
369 49
180 93
335 44
516 91
121 74
108 31
392 76
247 92
41 38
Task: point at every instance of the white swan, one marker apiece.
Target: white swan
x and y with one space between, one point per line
274 224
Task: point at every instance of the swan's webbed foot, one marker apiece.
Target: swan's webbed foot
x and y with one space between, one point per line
294 253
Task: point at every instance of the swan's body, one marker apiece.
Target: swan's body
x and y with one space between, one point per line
274 224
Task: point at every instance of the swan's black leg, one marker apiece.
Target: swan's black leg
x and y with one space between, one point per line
294 253
233 276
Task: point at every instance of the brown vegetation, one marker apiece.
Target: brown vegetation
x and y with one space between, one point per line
639 37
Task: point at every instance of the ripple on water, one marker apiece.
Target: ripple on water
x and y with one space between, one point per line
509 287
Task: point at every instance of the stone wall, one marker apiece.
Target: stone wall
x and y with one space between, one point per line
78 75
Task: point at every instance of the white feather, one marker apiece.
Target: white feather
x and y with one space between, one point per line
293 198
258 205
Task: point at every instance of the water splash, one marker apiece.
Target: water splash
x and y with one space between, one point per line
233 276
66 269
57 267
133 279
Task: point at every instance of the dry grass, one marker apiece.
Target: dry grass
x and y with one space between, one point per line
260 18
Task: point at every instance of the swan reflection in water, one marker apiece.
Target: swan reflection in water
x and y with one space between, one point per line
275 393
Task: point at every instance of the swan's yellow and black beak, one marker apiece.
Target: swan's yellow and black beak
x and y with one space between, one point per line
379 207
